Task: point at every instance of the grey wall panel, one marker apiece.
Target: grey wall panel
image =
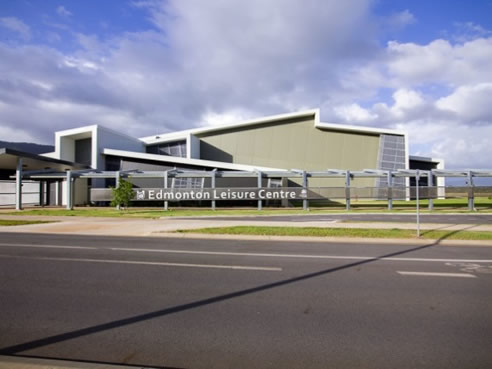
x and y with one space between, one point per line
391 156
83 151
177 148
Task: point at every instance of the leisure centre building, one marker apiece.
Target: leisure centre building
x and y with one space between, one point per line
296 141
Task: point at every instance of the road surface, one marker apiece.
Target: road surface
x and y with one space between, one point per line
182 303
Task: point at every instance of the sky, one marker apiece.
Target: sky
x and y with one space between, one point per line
145 67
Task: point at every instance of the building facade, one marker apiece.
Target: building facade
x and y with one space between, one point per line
296 141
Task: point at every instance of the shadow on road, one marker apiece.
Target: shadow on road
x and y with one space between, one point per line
16 349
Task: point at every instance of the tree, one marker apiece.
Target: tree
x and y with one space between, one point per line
123 194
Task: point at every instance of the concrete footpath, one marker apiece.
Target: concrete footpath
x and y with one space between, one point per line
166 226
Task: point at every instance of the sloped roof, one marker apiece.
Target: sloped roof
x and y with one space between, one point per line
314 113
185 161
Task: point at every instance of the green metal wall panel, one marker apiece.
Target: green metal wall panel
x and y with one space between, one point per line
293 144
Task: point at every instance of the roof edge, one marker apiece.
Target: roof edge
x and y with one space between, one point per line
359 129
186 161
24 154
426 158
200 130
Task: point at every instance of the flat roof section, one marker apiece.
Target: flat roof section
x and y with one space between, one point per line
8 161
186 161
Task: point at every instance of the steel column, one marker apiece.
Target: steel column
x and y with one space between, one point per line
18 185
305 202
212 185
347 190
41 193
260 205
430 184
390 190
166 203
117 185
58 193
48 192
69 190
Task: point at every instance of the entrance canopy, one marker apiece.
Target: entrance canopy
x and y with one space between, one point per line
13 161
9 160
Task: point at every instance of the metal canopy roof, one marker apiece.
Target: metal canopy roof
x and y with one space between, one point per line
463 173
44 164
294 173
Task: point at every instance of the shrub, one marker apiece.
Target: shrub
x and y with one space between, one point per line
123 194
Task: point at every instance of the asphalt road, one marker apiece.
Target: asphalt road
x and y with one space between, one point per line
384 217
185 303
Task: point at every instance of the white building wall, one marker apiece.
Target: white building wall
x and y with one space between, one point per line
192 147
64 193
109 139
81 192
67 149
102 138
30 193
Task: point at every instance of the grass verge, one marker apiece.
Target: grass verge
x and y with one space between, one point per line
343 232
8 222
151 213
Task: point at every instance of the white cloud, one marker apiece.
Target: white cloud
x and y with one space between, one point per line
406 99
400 19
354 113
16 25
467 31
62 11
231 116
440 62
406 104
460 145
230 61
472 103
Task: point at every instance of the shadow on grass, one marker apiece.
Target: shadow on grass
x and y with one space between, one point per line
447 235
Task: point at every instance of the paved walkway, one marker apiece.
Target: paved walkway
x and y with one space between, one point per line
164 227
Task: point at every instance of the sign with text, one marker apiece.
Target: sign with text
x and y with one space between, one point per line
201 194
162 194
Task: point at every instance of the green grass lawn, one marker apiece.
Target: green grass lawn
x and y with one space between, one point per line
149 213
483 205
343 232
7 222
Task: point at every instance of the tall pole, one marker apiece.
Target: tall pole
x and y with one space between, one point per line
417 178
471 199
